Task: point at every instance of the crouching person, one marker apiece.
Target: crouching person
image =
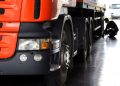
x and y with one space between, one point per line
111 28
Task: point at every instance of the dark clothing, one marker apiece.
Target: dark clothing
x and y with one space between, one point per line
111 29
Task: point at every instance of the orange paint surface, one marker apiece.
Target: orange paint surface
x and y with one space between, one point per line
8 39
12 10
27 14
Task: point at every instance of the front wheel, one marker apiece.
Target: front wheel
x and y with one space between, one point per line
58 78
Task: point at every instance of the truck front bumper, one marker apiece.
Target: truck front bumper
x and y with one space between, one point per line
29 66
24 62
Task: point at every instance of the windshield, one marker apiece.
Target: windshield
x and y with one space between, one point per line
115 6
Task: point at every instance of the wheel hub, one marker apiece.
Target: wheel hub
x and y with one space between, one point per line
67 56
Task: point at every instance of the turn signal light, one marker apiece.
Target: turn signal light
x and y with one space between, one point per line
44 44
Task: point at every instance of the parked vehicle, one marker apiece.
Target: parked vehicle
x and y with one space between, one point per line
43 37
115 11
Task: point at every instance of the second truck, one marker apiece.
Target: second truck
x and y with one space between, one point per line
43 37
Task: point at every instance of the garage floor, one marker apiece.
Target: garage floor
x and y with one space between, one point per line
102 67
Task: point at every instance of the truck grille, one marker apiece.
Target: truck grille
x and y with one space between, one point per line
2 11
9 16
37 9
1 25
10 10
8 39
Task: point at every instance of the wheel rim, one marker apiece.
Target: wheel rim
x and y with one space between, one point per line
65 50
65 53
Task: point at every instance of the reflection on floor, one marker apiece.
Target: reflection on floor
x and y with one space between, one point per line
102 67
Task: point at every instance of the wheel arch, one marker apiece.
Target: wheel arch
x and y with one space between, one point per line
58 26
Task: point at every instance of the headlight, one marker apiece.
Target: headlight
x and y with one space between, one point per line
33 44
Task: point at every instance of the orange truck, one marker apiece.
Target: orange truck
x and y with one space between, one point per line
45 37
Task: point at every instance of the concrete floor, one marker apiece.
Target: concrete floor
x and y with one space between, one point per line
101 69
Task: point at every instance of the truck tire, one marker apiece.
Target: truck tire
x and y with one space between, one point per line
83 34
84 51
58 78
91 26
100 32
102 26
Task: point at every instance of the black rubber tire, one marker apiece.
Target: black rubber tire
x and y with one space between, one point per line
58 78
85 50
100 32
91 26
102 26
